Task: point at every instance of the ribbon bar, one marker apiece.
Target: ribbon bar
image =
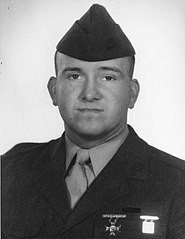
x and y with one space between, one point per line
114 215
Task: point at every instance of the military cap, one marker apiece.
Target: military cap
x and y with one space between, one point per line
95 37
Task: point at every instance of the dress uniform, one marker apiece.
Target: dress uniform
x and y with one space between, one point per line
128 189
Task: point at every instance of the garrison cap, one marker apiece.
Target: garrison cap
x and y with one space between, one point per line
95 37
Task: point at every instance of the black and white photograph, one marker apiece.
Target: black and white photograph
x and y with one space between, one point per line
92 126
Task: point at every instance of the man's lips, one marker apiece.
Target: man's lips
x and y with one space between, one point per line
96 110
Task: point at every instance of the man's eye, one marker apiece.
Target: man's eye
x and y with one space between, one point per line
108 78
74 76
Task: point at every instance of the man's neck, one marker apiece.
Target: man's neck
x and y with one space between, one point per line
88 142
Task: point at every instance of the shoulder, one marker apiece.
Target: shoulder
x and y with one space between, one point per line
167 159
167 167
162 165
23 148
24 155
26 149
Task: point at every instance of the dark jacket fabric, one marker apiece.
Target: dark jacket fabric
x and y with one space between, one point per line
139 180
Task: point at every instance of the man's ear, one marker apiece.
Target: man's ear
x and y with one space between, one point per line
52 89
134 92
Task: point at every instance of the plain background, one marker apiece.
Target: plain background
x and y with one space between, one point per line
29 33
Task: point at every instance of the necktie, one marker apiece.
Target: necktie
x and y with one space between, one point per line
80 176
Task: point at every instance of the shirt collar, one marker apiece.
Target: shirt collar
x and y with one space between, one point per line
100 155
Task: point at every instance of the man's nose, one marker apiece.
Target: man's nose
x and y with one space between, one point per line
90 90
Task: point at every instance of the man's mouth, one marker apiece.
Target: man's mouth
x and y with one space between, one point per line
93 110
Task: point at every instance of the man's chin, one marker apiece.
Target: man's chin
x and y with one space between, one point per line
90 133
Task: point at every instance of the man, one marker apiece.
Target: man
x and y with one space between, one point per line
99 180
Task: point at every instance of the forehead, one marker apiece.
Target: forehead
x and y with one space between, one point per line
63 61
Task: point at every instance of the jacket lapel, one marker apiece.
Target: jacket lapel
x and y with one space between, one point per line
130 161
48 178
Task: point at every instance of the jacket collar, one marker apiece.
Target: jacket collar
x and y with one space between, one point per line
136 156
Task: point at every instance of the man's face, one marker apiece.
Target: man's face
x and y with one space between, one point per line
93 97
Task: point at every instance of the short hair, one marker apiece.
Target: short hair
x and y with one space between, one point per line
55 62
131 70
132 64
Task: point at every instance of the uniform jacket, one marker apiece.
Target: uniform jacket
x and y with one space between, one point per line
139 180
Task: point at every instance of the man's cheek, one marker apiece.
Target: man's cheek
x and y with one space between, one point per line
65 111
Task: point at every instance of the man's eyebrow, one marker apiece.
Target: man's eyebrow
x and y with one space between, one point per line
101 68
109 68
66 69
